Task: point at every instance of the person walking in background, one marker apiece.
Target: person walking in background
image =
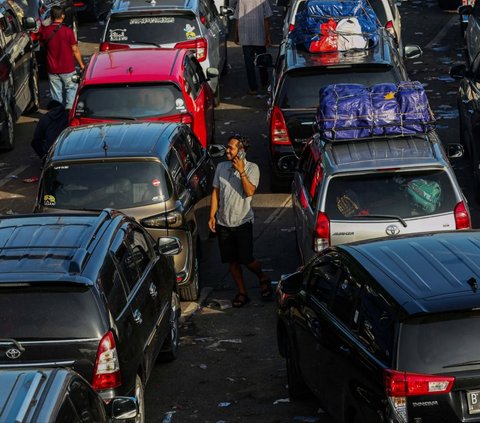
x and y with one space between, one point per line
61 48
252 32
231 217
49 127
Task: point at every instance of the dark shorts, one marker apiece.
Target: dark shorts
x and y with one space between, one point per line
236 244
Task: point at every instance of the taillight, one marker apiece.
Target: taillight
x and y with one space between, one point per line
106 46
172 219
462 216
75 122
199 45
106 373
321 234
186 118
79 4
291 27
391 29
278 128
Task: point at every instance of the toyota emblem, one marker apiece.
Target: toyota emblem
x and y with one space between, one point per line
13 353
392 230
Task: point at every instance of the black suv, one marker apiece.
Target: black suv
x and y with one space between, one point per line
297 78
57 395
386 330
18 72
91 292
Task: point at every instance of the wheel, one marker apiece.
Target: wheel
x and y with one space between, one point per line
191 291
34 98
139 395
8 136
169 350
296 385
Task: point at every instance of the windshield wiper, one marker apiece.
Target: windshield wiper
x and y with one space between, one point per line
14 342
465 363
116 117
147 43
381 216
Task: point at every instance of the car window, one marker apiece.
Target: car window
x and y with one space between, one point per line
374 320
406 194
323 281
346 295
67 413
195 147
296 90
193 81
125 259
312 174
9 25
98 185
141 250
86 402
181 147
175 168
131 101
160 30
113 288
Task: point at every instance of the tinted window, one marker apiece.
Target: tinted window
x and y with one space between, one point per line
152 29
432 344
127 265
323 281
197 150
107 184
141 251
86 402
175 168
406 194
113 288
346 295
183 152
59 312
300 88
128 102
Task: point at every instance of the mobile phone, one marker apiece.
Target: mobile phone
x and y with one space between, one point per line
241 154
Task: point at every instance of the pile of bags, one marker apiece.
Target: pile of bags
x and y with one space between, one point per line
351 111
332 25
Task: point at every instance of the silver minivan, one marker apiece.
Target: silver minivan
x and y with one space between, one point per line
346 191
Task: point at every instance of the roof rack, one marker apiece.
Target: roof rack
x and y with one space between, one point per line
29 396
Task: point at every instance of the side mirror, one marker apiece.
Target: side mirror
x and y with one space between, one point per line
215 151
212 73
412 51
76 78
465 10
291 284
121 408
455 150
29 24
169 245
226 11
264 60
458 71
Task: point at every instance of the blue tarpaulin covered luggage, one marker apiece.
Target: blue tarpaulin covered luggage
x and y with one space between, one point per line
351 111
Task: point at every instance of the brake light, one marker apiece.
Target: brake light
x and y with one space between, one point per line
278 128
106 46
291 27
199 45
79 4
391 30
462 216
321 235
75 122
106 373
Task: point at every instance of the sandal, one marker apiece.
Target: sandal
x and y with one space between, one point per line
266 291
240 300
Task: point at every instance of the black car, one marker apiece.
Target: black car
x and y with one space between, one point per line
385 330
298 76
91 292
18 72
57 395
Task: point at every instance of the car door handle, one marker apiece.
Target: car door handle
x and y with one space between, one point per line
153 290
137 317
465 101
344 350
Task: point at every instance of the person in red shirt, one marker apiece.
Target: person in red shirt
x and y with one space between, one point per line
62 48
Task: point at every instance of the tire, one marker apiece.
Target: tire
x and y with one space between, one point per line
139 395
34 96
169 350
296 385
8 138
191 291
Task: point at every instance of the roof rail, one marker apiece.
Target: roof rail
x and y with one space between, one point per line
27 402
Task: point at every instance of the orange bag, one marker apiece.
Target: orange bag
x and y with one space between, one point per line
327 40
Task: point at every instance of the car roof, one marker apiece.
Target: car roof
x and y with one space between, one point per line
425 273
114 140
136 65
143 5
49 247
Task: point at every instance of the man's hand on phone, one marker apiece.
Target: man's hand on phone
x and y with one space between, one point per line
238 164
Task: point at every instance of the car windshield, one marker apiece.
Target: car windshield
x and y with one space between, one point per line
406 195
160 30
98 185
130 102
300 88
61 311
440 343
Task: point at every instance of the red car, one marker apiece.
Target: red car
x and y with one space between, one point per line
146 84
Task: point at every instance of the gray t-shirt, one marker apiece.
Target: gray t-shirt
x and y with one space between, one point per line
234 208
251 27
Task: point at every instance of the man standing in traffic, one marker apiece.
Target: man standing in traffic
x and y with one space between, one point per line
61 48
231 217
252 32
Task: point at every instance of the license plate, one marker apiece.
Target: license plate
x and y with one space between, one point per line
473 398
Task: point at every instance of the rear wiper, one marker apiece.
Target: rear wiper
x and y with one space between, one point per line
116 117
465 363
381 216
12 341
147 43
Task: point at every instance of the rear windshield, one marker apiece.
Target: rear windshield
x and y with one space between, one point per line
130 102
405 194
107 184
159 30
300 89
378 7
49 312
440 343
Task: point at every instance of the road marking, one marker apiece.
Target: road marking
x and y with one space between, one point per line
278 211
443 31
16 172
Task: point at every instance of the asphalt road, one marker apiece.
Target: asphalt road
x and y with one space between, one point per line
229 368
